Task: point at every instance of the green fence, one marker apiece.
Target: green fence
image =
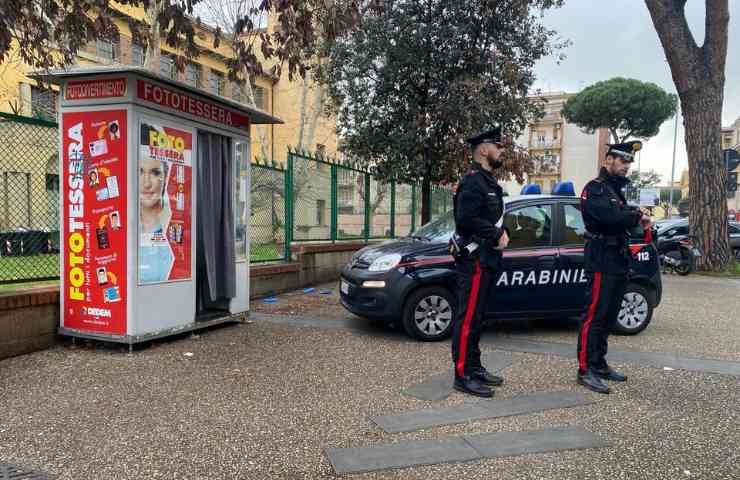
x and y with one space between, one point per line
330 201
310 199
29 199
268 213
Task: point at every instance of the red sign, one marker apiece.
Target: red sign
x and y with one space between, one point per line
86 89
94 218
165 203
182 102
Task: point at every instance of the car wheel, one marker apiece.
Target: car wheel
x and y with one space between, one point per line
429 313
636 311
737 254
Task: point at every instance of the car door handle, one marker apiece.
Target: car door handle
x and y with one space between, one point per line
546 261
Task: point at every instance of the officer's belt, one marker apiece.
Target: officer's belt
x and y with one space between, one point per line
610 240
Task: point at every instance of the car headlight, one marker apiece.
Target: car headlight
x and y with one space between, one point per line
385 263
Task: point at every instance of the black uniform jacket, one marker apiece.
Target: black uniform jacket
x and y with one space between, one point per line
608 220
479 205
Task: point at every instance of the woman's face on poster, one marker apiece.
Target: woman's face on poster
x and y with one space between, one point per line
151 181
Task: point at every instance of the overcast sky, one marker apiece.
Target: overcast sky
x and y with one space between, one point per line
617 38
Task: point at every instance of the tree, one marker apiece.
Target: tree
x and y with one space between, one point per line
418 77
665 195
628 108
644 179
638 181
699 75
49 34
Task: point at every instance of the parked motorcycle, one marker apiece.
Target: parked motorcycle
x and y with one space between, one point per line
678 255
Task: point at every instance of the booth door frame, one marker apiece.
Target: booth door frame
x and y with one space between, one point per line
240 303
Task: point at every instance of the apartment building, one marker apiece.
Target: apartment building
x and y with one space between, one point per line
561 151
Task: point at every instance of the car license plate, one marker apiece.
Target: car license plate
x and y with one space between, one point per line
344 287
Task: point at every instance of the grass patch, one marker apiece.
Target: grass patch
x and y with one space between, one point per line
26 268
19 287
732 271
264 252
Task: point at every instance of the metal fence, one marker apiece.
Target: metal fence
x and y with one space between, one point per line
310 199
330 201
29 199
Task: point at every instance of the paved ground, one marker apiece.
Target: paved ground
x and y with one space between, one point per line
265 400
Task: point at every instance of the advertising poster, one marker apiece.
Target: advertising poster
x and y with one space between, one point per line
165 194
94 217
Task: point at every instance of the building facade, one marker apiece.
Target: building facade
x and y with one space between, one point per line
298 102
731 140
561 151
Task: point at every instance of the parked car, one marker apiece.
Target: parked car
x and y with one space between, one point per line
411 280
678 230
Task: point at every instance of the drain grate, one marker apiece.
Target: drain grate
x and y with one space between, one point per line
11 472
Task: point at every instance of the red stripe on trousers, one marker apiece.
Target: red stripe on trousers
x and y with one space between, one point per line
472 301
589 318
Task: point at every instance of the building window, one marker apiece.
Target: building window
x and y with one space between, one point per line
44 103
216 82
105 50
345 199
260 97
320 212
237 92
137 55
52 182
167 66
192 74
541 136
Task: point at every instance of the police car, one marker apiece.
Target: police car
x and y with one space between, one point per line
411 280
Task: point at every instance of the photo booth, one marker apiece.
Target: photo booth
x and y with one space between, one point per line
155 179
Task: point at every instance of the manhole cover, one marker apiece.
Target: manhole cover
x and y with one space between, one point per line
11 472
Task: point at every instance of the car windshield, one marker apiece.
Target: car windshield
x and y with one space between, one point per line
438 230
664 228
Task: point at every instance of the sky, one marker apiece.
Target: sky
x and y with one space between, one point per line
613 38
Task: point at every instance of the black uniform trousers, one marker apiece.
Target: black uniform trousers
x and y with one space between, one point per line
474 280
604 299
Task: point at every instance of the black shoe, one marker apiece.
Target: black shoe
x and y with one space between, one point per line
610 374
472 386
591 381
487 378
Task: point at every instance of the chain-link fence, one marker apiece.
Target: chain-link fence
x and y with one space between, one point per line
332 201
29 199
311 199
267 221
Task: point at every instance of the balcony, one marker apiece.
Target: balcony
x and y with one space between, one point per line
544 144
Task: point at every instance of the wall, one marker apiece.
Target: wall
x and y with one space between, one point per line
28 321
580 160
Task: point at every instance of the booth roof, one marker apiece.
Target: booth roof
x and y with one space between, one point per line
256 115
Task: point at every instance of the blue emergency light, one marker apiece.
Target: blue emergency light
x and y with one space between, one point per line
531 189
565 189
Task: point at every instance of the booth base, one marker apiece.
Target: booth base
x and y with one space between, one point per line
134 339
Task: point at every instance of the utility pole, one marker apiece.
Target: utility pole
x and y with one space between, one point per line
673 163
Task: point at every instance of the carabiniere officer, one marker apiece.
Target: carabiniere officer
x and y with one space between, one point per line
476 246
608 219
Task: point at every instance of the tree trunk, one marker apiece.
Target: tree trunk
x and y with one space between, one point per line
153 49
699 76
708 179
303 114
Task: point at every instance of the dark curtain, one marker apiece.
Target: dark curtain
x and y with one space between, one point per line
215 257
